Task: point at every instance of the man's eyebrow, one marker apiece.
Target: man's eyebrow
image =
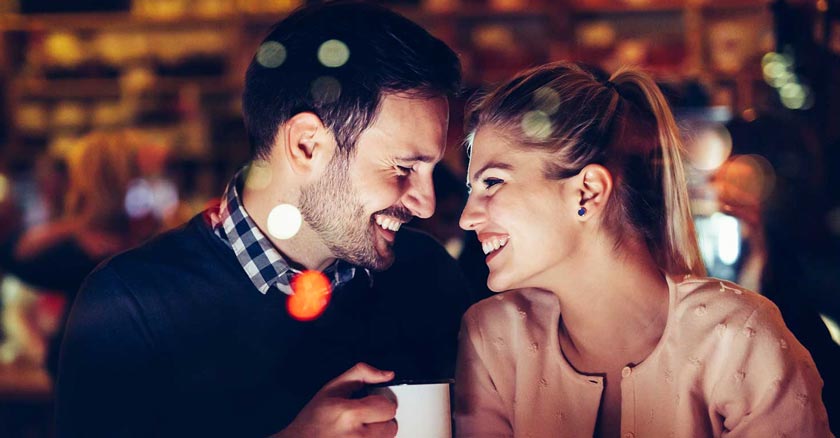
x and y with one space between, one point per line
491 165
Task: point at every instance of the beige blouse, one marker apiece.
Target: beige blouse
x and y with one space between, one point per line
726 366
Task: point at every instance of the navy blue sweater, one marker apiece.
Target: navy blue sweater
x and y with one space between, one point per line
172 338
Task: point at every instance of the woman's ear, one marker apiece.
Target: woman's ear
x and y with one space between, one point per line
308 146
593 186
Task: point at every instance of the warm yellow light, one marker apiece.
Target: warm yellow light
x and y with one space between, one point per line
4 188
546 100
271 54
333 53
325 89
284 221
773 69
536 124
259 175
794 95
312 292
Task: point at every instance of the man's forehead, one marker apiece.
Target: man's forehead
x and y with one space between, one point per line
411 137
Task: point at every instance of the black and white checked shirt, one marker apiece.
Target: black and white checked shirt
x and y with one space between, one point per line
258 257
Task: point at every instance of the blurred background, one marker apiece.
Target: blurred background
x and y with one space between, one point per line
122 118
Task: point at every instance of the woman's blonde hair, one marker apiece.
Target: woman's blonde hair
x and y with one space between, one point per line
623 123
100 168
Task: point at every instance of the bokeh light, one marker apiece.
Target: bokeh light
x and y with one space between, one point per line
794 95
325 89
546 100
157 197
284 221
768 58
259 175
333 53
781 79
536 124
165 198
597 34
65 49
778 70
312 292
773 69
271 54
709 148
4 187
747 180
139 199
728 238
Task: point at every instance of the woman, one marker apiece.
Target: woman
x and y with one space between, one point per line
58 255
610 328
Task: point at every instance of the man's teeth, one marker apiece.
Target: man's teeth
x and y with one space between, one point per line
388 223
493 244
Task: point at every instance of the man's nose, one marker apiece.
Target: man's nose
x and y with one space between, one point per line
420 198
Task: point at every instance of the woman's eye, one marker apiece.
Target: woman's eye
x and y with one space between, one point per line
490 182
404 170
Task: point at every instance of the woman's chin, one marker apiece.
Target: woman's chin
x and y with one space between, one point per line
498 284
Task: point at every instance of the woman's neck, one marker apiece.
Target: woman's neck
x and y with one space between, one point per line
616 306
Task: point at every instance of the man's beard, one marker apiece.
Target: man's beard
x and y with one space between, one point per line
332 208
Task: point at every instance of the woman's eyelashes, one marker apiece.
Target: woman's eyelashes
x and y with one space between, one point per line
490 182
487 183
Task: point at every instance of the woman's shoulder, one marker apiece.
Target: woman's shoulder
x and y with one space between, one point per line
712 307
515 310
712 296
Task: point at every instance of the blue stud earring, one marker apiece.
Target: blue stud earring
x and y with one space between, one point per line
582 211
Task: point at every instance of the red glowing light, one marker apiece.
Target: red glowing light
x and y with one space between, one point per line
312 292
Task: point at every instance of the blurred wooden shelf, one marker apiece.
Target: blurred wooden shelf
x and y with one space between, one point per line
623 7
636 6
110 87
123 21
493 44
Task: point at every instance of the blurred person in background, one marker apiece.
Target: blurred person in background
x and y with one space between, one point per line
773 184
94 225
609 325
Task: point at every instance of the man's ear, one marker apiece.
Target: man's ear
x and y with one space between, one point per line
593 186
308 145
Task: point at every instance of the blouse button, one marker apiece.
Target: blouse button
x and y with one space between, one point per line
625 372
629 435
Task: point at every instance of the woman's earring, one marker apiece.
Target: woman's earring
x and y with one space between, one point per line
582 211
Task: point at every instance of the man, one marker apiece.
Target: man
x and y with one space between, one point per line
189 335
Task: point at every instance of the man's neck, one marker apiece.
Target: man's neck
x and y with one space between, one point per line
304 250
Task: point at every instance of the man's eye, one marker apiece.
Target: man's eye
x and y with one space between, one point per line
404 170
490 182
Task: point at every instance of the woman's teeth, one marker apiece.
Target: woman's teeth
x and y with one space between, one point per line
493 244
388 223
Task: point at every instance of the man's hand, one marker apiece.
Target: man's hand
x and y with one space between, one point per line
332 413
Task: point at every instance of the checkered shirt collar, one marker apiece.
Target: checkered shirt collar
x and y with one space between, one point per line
258 257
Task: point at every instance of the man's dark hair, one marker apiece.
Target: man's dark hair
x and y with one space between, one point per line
388 54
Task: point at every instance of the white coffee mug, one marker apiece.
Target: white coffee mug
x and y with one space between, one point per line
422 407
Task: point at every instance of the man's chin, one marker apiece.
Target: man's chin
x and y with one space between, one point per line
383 251
382 259
383 263
375 259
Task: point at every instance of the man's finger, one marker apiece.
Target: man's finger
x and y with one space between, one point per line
356 377
373 409
387 429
